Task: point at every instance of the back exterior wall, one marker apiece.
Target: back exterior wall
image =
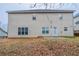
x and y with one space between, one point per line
42 20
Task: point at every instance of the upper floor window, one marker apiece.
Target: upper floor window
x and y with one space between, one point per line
22 30
34 18
60 16
45 30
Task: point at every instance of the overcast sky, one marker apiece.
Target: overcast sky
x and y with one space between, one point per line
19 6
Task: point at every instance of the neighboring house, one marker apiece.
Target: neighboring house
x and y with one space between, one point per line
3 33
34 23
76 24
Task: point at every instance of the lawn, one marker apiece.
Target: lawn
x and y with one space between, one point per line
40 47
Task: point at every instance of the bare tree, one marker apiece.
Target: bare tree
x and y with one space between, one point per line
4 26
40 5
47 5
33 5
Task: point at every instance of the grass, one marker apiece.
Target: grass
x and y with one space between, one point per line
40 47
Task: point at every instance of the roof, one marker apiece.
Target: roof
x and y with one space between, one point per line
40 11
77 22
3 31
77 15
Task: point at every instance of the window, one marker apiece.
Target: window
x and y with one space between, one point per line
54 27
65 28
60 17
19 31
45 30
22 31
26 31
77 23
34 18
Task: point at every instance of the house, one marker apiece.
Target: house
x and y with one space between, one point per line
3 34
76 24
34 23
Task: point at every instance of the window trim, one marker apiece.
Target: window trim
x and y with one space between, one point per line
60 16
34 18
22 30
19 31
45 30
65 28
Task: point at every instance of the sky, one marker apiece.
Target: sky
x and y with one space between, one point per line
4 7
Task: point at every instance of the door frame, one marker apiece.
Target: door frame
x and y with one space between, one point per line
55 31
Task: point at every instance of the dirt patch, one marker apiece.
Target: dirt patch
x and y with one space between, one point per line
39 47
